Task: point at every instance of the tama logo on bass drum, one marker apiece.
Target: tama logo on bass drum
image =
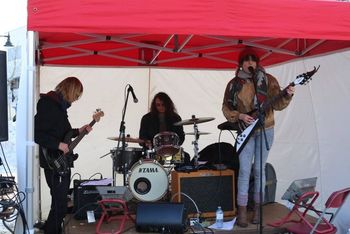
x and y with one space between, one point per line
148 170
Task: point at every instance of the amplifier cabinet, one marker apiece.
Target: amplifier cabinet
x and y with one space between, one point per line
85 197
207 188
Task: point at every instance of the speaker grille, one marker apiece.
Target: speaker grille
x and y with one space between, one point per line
209 189
85 198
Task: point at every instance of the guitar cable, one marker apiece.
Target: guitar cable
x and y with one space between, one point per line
76 173
97 173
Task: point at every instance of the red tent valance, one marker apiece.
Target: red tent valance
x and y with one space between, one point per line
185 33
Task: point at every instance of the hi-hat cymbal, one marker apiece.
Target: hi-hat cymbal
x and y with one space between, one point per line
229 126
194 120
199 133
127 139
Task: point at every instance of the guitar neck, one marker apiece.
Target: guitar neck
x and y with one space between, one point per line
268 103
76 141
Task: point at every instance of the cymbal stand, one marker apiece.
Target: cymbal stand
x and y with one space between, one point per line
195 144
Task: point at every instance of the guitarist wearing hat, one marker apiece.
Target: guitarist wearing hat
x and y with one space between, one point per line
51 128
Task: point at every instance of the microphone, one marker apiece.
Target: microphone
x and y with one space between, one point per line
130 89
251 70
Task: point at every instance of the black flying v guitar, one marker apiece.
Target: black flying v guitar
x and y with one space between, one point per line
247 130
60 162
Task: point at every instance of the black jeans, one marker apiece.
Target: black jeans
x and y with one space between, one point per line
59 188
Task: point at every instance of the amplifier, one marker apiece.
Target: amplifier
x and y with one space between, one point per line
85 198
207 188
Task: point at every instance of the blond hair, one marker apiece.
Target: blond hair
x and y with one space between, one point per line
71 89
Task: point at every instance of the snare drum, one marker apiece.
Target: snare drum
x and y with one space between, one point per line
168 160
148 181
166 143
131 155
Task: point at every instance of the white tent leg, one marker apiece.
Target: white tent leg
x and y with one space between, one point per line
25 127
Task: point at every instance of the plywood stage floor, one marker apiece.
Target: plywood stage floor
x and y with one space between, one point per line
271 212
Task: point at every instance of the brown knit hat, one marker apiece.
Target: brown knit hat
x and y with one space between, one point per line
248 54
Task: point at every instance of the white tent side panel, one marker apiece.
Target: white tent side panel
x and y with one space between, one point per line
311 135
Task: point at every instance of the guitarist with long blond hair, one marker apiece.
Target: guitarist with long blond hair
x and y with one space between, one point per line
240 99
51 128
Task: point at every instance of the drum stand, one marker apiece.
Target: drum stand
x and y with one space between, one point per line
195 144
149 152
196 133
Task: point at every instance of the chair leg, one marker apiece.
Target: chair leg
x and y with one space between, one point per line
104 204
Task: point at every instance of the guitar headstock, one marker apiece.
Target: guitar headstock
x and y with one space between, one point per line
98 114
305 77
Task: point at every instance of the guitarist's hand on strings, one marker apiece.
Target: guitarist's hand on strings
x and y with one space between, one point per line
63 147
246 118
86 128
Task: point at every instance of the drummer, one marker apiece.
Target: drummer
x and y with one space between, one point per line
161 118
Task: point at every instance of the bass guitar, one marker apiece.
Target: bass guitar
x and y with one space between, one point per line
247 130
60 162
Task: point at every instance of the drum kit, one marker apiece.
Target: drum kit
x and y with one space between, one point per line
148 172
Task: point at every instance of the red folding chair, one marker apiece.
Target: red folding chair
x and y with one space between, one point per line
110 206
305 201
335 202
306 225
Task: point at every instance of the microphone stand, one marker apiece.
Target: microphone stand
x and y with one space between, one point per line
122 137
261 122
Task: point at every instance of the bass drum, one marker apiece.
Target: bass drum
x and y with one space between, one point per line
148 181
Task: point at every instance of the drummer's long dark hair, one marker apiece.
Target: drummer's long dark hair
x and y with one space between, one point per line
168 103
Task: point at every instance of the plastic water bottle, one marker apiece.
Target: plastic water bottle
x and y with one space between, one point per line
219 217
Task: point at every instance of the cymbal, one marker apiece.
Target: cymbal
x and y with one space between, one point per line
229 126
199 133
194 120
127 139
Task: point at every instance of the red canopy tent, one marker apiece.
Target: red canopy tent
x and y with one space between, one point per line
187 34
184 34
